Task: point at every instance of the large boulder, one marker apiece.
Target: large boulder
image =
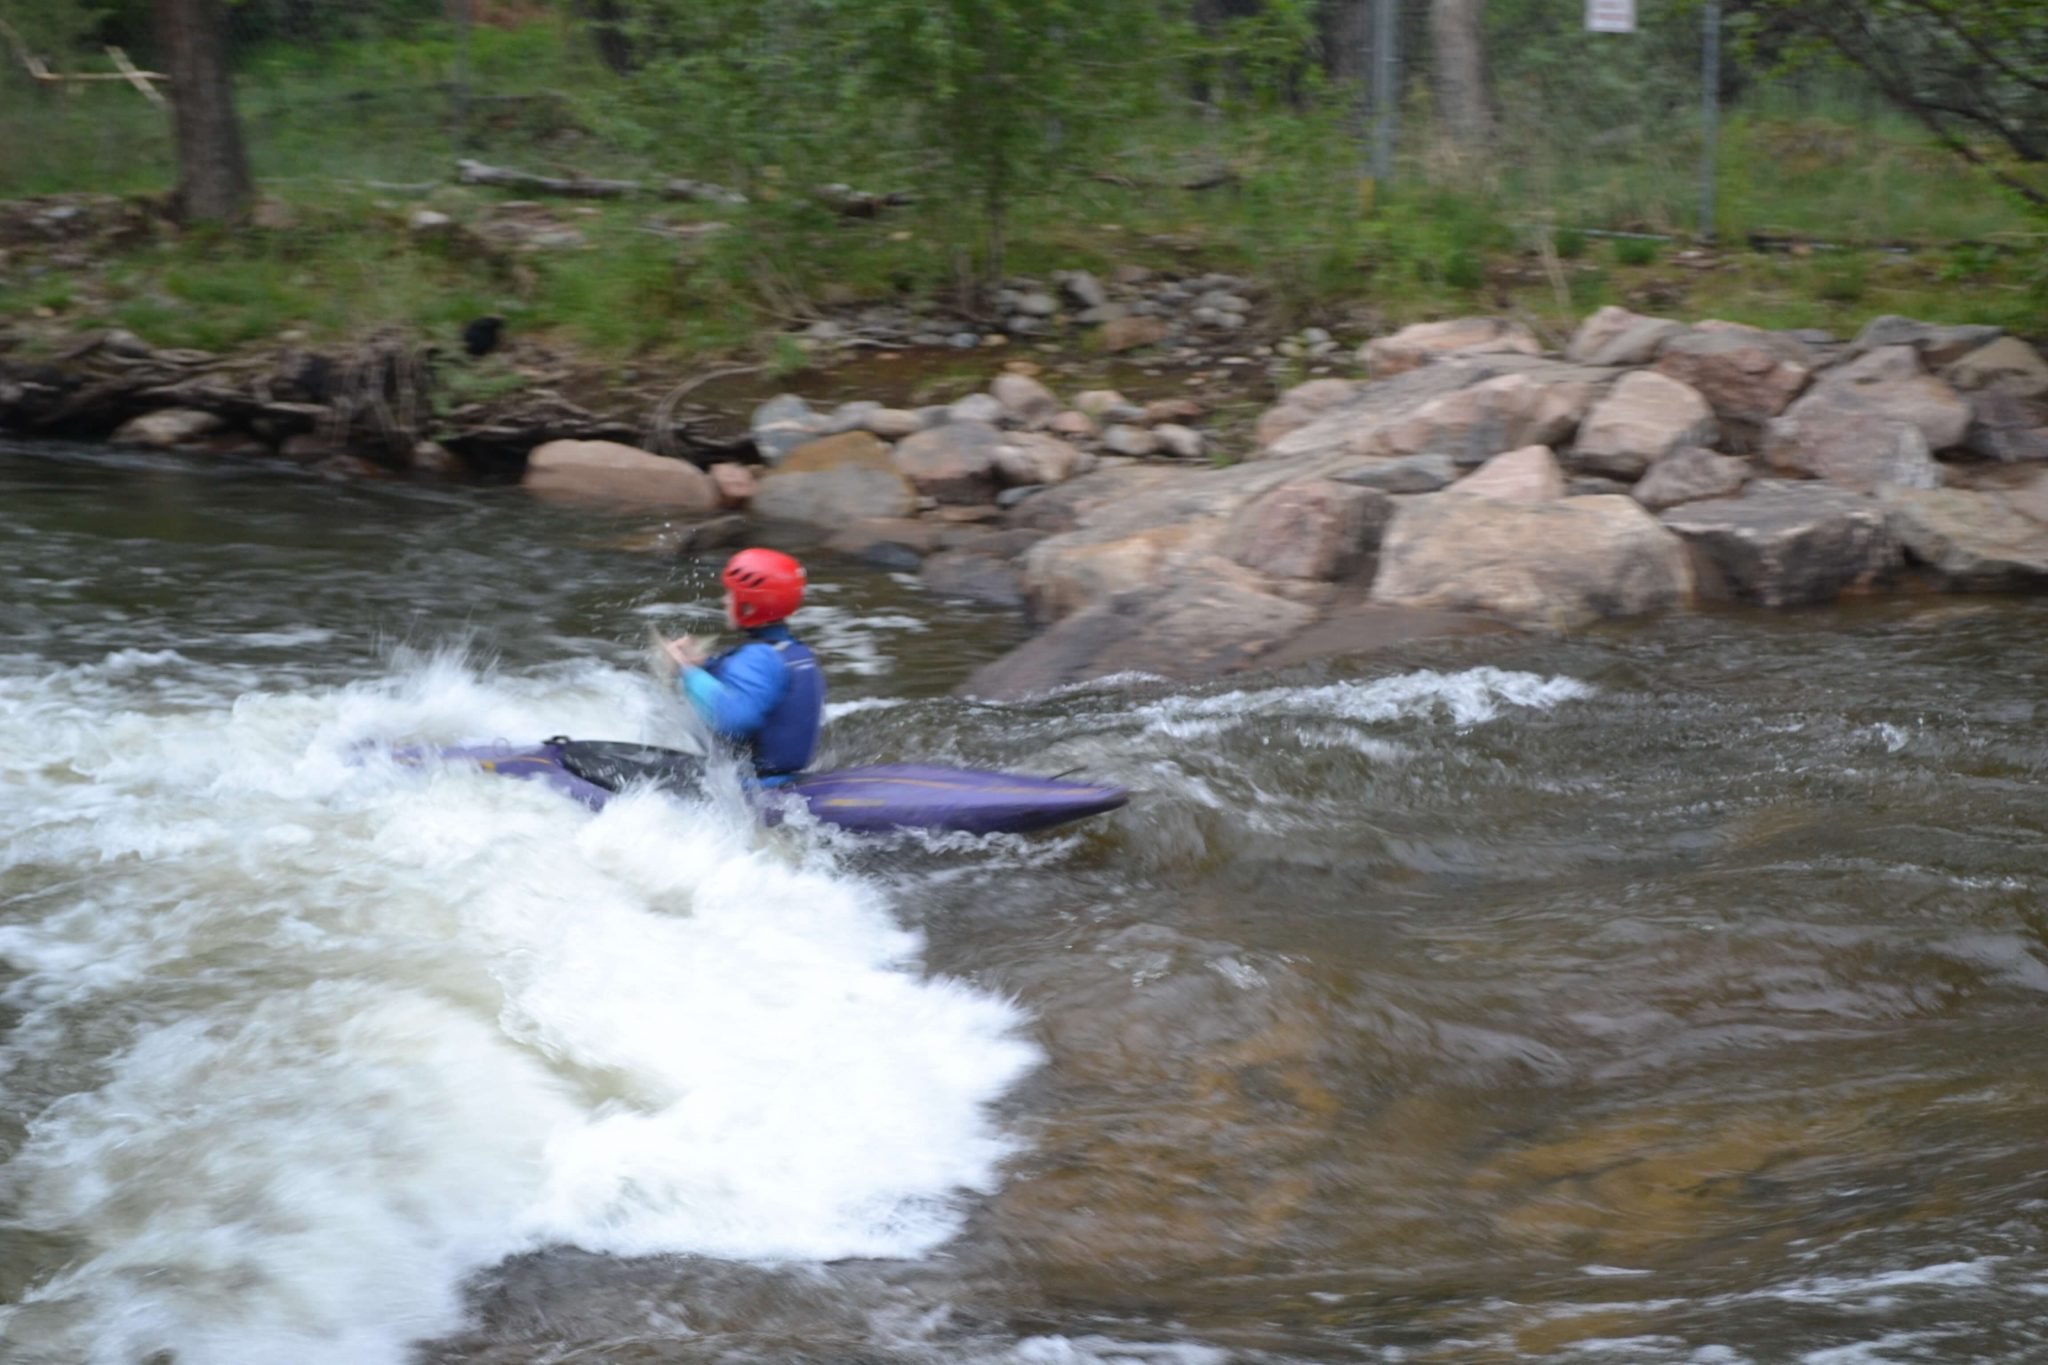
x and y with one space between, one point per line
954 463
1315 529
608 472
1786 544
2030 499
1615 336
1301 405
1935 344
1645 418
2007 365
1890 382
1473 425
973 577
167 428
1213 618
1345 425
1690 474
1851 447
1426 342
834 481
2007 429
1530 474
1970 541
1064 574
1746 375
1559 565
1030 457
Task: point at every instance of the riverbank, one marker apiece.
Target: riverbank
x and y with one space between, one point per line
1447 477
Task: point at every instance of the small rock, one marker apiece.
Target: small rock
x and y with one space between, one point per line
1180 441
1181 410
1615 336
782 424
1037 305
892 424
1096 402
167 428
1074 426
735 483
955 463
1128 334
964 341
431 459
1025 399
1129 440
125 344
1131 275
1034 458
847 417
1085 290
1315 336
977 407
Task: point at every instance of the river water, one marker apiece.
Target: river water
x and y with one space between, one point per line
1669 994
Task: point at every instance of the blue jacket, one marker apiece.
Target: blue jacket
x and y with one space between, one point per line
767 695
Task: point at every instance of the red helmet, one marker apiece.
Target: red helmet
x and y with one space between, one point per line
766 585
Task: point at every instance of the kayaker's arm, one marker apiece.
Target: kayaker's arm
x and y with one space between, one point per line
735 695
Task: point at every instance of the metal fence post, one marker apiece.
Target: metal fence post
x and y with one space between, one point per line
461 14
1385 87
1710 113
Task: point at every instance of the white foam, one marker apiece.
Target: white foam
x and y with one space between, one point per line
1472 697
344 1032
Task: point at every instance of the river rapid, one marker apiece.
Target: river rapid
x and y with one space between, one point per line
1666 994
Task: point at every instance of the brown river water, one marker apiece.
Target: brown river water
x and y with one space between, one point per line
1671 993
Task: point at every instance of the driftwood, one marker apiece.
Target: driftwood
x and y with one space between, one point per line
477 173
842 199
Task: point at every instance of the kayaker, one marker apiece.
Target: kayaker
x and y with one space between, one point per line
766 694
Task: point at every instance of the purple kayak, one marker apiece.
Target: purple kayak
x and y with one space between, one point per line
885 797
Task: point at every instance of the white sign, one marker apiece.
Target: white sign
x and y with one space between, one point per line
1611 16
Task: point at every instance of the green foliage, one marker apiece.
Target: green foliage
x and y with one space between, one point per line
1570 244
1973 72
1636 251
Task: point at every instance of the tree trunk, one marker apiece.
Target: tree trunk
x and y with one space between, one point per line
1460 54
213 172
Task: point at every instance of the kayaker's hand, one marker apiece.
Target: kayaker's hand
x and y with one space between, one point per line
687 651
